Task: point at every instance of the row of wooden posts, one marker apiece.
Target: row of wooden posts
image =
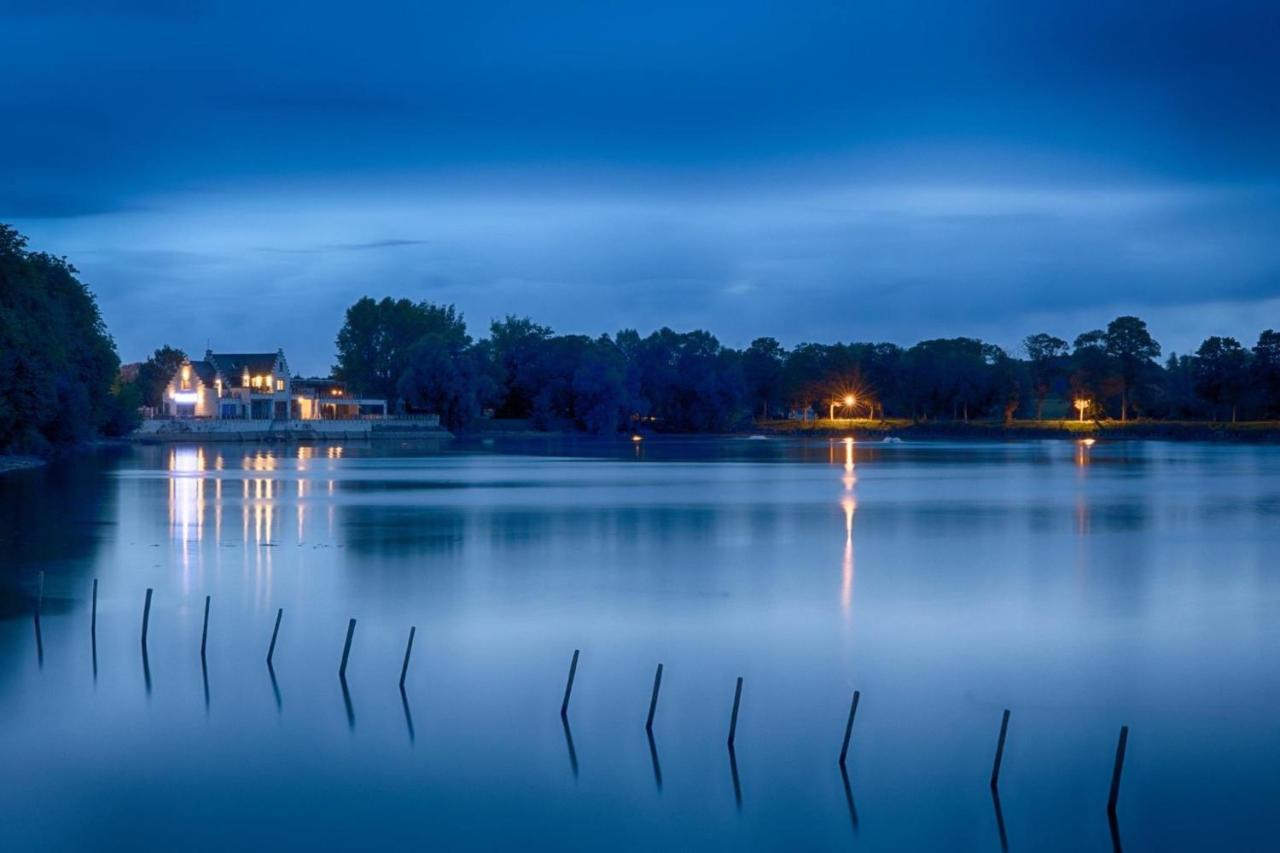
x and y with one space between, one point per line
1117 768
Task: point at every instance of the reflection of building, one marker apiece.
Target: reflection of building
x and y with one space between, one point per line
257 386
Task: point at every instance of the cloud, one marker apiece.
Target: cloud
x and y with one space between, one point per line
344 247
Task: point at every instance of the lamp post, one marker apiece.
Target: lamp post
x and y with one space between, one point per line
848 402
1081 404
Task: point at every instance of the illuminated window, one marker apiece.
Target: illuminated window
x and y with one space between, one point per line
279 384
186 377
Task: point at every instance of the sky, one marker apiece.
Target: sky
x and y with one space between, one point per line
236 174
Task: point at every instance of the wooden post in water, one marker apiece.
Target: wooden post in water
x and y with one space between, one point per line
40 592
146 618
568 687
404 668
93 619
274 633
848 728
653 700
733 718
204 632
346 650
995 768
1117 770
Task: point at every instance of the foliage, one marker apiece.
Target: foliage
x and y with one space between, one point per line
376 337
58 364
154 375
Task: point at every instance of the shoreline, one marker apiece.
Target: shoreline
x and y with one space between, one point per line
1250 432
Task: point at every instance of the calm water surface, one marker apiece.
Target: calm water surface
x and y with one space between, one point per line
1083 588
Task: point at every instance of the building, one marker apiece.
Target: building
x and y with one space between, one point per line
329 399
257 386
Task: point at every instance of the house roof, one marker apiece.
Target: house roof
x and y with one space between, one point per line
205 371
233 364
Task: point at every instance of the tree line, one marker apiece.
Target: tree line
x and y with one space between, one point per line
420 357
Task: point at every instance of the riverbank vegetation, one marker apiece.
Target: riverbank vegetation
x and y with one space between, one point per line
59 372
420 356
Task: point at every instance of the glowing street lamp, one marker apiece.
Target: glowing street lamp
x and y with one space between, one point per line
1081 404
848 402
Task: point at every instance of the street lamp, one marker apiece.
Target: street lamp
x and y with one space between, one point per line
1081 404
848 402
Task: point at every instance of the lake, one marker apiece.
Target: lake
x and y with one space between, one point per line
1082 587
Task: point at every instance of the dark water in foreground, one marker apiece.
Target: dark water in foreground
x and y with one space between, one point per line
1083 588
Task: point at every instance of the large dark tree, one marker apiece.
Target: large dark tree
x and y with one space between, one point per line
375 339
446 376
1046 355
1222 373
1266 372
154 374
762 371
58 365
1133 348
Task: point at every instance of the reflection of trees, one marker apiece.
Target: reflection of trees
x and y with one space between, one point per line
51 519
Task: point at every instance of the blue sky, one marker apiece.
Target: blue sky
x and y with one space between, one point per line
240 172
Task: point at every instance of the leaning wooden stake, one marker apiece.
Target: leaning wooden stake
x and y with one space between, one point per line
146 618
733 718
40 593
1117 770
274 633
568 687
346 650
204 632
653 700
408 649
995 768
93 619
848 728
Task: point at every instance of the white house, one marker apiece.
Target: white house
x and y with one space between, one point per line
231 385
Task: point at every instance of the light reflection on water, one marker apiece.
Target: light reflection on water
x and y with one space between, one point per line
1083 587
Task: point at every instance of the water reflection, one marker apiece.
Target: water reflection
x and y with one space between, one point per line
848 798
850 505
568 742
653 757
707 566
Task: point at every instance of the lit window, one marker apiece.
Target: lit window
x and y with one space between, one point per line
279 384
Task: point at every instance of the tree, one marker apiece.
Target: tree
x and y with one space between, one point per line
58 364
375 339
601 403
447 377
1266 371
1133 348
517 348
154 374
1222 373
1045 354
762 371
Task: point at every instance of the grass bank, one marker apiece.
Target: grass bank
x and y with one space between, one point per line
1246 431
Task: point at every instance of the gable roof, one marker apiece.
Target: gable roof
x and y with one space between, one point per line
234 364
205 371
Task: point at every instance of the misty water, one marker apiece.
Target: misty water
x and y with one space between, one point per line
1084 588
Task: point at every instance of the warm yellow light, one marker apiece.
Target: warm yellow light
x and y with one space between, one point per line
1088 442
637 437
849 400
186 372
1082 404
